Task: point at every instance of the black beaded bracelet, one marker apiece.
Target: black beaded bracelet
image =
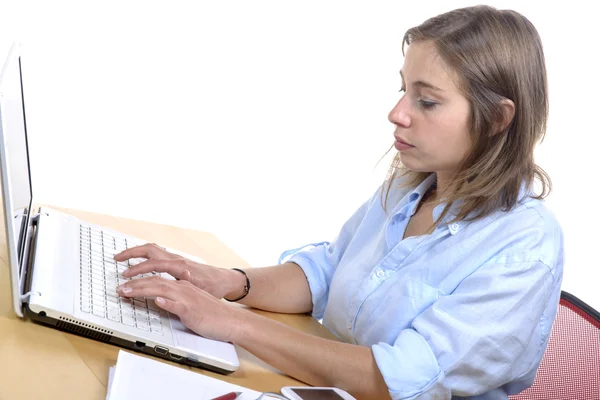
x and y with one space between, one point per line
246 288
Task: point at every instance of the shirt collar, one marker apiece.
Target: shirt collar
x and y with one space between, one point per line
417 194
452 213
524 195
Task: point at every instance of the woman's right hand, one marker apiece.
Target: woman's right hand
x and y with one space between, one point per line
218 282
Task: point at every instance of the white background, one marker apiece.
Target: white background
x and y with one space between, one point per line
263 121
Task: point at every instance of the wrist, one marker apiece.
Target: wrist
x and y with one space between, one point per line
242 326
237 284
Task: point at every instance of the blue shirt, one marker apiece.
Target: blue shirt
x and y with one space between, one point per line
465 311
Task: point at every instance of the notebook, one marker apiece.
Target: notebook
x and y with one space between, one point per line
136 377
62 270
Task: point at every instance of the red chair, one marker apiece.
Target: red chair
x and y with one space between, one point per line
570 369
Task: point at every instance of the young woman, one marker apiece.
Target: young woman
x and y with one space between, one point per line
446 282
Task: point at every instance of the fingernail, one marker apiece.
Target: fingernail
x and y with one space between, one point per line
125 273
160 300
126 290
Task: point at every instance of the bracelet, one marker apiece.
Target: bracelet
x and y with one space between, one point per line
246 287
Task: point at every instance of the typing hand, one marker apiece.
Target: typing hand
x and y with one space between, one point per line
197 309
216 281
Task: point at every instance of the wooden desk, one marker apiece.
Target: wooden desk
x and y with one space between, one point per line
37 362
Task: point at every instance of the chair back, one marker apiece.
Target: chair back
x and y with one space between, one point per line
570 369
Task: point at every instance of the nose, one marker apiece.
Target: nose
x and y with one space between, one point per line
399 114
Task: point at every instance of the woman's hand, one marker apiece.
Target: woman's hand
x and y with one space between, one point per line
218 282
198 310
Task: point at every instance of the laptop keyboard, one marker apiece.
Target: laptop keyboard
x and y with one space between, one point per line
100 275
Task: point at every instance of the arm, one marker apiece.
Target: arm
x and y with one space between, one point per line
314 360
282 288
311 359
482 336
301 284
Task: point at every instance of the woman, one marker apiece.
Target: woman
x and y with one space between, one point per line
446 282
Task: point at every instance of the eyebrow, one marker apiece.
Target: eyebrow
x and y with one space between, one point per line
423 84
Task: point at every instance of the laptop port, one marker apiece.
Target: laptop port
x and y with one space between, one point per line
175 356
192 362
161 350
139 345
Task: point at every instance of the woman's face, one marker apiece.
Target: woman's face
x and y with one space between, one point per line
432 117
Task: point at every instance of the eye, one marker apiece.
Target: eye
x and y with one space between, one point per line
427 105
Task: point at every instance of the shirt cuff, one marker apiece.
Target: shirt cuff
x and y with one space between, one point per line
409 367
315 266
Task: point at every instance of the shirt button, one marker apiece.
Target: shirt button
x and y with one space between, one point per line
454 227
349 326
380 273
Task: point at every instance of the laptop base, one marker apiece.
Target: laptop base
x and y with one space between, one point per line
137 346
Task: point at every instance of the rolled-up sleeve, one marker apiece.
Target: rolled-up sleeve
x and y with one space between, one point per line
319 260
409 367
481 336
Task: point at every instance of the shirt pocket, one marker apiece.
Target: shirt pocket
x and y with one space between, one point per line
392 308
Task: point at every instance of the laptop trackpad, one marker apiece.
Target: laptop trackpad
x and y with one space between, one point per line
188 340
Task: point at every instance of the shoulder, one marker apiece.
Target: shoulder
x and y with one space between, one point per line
547 226
529 232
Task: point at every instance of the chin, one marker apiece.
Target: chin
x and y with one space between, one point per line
412 164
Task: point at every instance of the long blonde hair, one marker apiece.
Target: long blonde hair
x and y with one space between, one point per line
498 55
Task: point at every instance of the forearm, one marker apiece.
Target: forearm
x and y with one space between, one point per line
314 360
282 288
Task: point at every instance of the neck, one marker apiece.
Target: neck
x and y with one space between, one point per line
442 183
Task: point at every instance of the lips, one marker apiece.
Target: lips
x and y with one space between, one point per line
402 145
399 139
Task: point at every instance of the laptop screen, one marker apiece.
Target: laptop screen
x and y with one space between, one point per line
14 131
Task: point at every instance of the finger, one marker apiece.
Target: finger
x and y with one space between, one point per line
175 268
148 250
174 307
186 275
149 287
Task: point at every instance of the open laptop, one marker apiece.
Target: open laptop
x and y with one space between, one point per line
62 269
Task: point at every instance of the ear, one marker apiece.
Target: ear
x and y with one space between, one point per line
506 116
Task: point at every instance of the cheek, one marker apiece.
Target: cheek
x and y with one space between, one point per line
462 142
453 138
457 130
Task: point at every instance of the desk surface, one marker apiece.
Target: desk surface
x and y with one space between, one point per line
43 363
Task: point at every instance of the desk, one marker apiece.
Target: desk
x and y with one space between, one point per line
37 362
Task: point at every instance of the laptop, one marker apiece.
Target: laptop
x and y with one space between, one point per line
62 270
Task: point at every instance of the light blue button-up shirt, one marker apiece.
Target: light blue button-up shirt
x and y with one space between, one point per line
465 311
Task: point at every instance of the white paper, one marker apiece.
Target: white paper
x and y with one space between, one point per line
137 377
111 374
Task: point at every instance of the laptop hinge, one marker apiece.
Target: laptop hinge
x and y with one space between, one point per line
27 295
26 274
35 218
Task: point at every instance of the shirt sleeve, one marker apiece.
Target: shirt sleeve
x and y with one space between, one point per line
319 260
477 338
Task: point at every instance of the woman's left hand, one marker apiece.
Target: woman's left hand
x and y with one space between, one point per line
198 310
